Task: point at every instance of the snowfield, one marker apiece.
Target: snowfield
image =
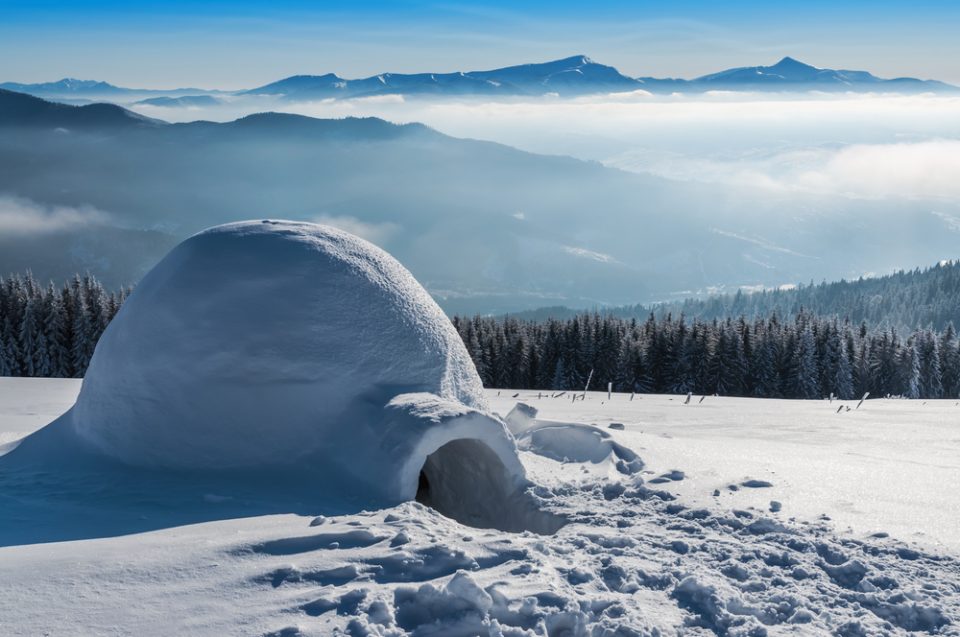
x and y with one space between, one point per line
890 466
722 517
27 404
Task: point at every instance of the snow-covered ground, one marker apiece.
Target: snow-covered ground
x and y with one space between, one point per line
891 466
26 404
649 550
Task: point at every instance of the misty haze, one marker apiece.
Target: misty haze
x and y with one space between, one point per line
621 198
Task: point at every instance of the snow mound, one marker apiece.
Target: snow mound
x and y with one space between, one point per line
275 346
569 442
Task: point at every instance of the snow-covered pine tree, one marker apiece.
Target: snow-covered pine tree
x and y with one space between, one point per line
884 364
560 376
681 376
636 372
950 362
838 375
517 357
862 380
550 342
843 374
82 333
468 333
766 382
32 344
806 381
735 360
931 373
699 350
909 371
9 363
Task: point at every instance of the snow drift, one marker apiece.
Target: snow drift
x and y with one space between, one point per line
569 442
291 347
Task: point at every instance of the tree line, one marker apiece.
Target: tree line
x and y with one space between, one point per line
52 331
802 357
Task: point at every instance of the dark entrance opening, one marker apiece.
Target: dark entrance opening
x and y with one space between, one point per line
466 481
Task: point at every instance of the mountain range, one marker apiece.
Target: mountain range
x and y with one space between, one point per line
20 109
486 227
792 75
85 90
572 76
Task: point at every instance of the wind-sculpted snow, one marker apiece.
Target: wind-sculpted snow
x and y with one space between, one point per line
569 442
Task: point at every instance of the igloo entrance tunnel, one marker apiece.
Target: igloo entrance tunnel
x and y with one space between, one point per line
267 345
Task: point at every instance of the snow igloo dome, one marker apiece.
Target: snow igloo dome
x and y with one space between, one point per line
275 344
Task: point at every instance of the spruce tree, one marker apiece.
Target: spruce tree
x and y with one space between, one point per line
806 375
909 371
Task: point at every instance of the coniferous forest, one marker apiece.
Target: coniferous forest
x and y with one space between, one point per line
799 357
904 300
52 331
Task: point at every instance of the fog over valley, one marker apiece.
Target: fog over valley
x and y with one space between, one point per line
587 201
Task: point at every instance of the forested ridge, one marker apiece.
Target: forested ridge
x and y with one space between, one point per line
51 331
906 300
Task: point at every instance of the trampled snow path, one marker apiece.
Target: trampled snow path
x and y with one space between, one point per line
647 552
890 466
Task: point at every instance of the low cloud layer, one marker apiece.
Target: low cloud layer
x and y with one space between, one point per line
862 146
928 170
377 233
22 217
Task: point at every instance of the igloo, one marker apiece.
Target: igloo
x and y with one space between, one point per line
275 345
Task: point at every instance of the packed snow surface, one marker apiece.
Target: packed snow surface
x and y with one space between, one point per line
700 519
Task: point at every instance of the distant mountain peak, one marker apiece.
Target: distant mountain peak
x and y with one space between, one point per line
67 85
575 60
73 82
789 62
790 74
325 76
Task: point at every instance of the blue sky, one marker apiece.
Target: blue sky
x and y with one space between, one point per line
241 43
